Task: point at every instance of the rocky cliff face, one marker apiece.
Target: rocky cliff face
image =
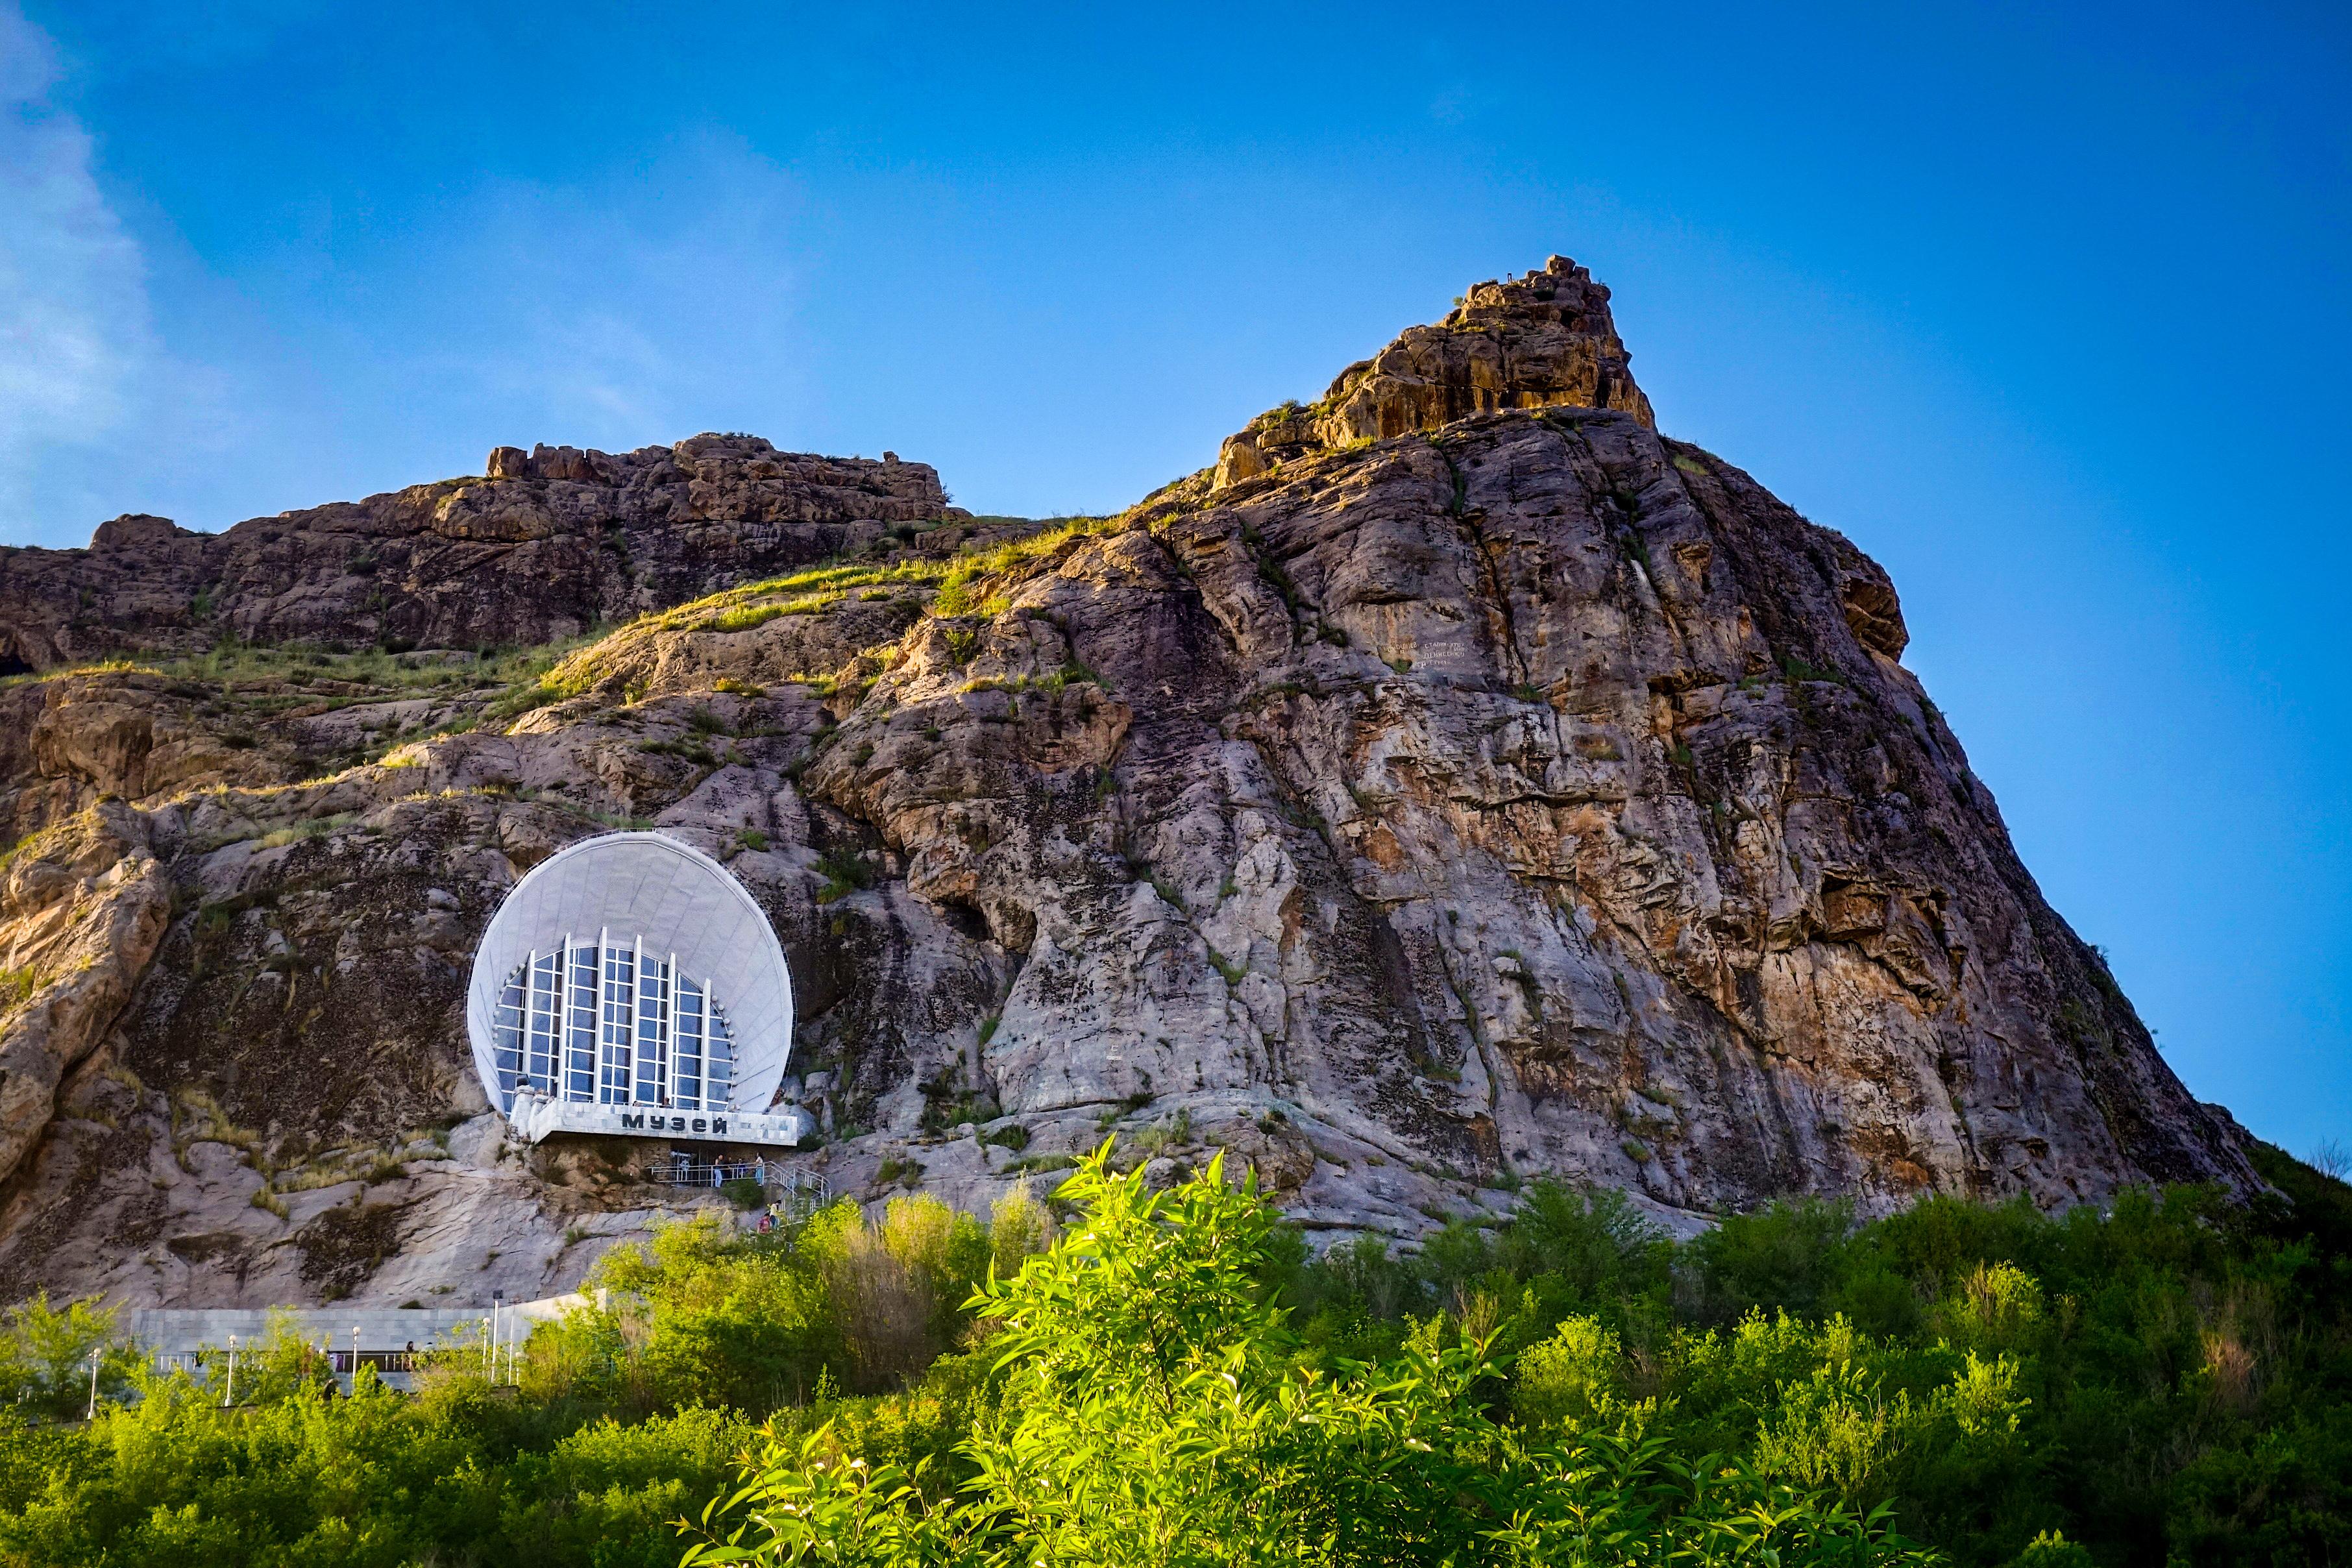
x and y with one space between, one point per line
550 544
1458 783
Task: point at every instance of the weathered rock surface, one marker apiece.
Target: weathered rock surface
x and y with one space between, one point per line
1543 341
549 544
1462 783
80 913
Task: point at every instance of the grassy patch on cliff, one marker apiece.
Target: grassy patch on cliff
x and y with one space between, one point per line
237 682
98 666
948 578
949 585
960 586
262 679
370 675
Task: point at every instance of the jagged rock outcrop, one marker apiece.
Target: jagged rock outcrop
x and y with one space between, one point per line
81 912
68 743
1482 786
549 544
1543 341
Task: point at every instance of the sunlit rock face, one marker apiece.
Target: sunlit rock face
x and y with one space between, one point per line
1544 341
1460 782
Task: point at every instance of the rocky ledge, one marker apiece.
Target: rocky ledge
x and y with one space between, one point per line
548 544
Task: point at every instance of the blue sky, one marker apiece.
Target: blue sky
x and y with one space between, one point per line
2045 307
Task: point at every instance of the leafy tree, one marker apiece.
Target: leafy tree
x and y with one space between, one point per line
46 1357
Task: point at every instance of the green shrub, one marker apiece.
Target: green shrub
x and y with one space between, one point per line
2050 1548
845 873
1797 669
1151 1414
609 1493
1574 1379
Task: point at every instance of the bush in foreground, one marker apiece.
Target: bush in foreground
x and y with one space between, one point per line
2166 1380
1154 1410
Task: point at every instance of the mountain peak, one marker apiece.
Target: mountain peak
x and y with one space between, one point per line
1541 341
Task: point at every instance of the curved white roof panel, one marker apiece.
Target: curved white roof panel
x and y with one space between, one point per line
646 892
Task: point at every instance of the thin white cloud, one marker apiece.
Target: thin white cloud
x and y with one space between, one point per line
616 312
97 415
76 336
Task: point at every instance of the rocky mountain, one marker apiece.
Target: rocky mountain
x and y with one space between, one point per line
1459 781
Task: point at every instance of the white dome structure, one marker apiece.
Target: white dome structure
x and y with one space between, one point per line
629 985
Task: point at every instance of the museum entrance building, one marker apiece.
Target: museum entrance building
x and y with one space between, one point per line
630 985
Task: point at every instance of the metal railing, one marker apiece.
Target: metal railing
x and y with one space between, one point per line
687 1173
336 1362
798 1189
805 1192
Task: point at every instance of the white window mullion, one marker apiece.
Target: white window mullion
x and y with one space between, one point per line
604 1073
573 1044
530 1013
546 998
686 1075
556 1003
710 1007
565 985
669 1031
636 996
702 1045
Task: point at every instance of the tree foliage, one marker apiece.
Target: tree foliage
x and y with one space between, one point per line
1175 1377
1154 1409
629 1419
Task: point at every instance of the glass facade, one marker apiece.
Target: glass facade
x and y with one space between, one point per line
605 1022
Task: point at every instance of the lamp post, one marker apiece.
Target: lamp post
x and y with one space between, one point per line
229 1394
497 1303
355 1358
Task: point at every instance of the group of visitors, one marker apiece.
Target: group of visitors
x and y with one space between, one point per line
683 1170
687 1172
721 1172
